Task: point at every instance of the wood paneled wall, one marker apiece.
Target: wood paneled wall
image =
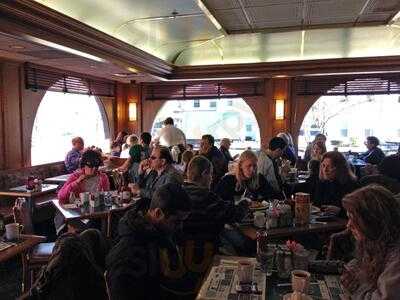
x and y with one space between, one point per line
18 108
127 93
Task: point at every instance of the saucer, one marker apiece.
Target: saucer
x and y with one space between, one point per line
303 297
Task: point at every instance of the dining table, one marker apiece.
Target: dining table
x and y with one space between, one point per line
60 179
22 191
30 195
20 246
104 213
331 226
221 281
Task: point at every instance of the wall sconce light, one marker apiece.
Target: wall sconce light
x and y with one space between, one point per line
279 109
132 111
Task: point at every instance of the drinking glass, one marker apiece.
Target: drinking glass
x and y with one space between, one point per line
266 258
108 199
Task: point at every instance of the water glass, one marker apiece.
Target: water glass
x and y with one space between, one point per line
300 260
266 260
108 199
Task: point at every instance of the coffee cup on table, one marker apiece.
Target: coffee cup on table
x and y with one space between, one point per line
300 281
13 231
245 271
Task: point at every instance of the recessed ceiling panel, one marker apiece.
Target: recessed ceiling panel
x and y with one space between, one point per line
275 16
291 46
222 4
334 11
234 19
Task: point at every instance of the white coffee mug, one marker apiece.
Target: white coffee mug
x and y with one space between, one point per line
13 231
259 219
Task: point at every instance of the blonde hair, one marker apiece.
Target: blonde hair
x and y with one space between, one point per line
240 178
132 140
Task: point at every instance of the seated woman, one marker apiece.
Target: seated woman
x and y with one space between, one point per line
72 273
318 149
186 158
86 179
309 185
136 155
246 182
374 221
335 181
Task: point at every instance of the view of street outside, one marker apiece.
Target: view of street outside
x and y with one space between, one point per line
347 121
61 117
222 118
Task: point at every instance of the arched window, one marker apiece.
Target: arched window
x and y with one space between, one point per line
347 121
61 117
222 118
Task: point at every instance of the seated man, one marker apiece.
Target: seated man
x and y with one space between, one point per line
155 172
374 155
200 231
215 156
146 251
72 272
268 166
72 159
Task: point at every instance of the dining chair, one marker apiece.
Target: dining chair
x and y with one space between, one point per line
39 255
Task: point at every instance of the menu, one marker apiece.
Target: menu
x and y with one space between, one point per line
222 283
326 287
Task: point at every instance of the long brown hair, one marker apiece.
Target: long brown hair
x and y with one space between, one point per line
343 172
376 214
240 178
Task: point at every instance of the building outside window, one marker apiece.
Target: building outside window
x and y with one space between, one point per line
347 121
236 122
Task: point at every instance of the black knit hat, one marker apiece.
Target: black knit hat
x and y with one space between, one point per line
91 158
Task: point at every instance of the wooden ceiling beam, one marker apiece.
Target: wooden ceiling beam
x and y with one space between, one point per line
290 68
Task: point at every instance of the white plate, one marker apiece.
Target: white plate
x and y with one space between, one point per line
261 207
315 210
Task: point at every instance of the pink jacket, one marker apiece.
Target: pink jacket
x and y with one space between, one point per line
72 186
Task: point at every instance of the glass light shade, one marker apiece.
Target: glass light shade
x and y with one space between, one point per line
279 109
132 111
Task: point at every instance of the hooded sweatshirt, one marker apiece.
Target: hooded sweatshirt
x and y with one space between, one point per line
198 240
133 265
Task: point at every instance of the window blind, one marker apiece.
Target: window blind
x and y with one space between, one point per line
38 78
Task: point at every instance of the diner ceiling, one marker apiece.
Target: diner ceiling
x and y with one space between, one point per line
192 39
271 30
